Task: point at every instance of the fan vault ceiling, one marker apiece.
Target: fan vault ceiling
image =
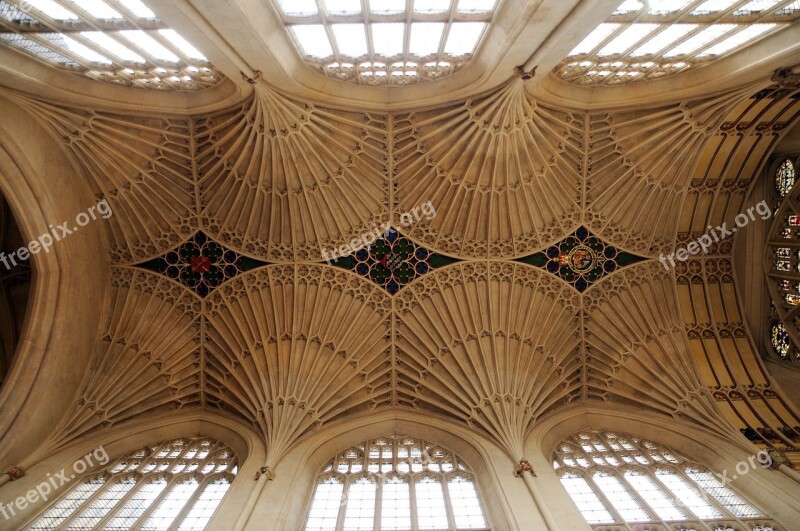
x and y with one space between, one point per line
488 340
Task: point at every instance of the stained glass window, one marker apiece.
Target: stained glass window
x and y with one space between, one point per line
396 483
784 177
392 261
780 340
387 42
647 40
201 264
783 252
581 259
615 478
172 485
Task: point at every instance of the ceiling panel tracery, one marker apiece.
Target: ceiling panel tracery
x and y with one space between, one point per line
489 341
283 178
292 347
492 344
504 169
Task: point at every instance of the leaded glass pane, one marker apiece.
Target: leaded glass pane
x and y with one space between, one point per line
206 505
395 505
466 506
199 469
325 507
395 483
407 43
102 505
68 504
650 484
136 506
126 56
431 509
649 40
722 494
585 498
361 498
780 339
784 178
620 498
663 505
688 496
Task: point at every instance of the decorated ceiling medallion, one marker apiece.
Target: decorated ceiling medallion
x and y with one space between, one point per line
581 259
393 261
201 264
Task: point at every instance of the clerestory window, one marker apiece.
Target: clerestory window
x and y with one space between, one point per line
396 483
649 39
387 42
118 41
621 479
172 486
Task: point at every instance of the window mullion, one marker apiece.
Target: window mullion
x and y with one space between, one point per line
344 501
65 524
121 503
190 503
412 495
602 495
726 514
376 524
154 506
638 497
689 512
448 503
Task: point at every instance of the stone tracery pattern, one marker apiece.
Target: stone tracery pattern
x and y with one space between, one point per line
504 158
581 259
489 341
393 261
726 357
491 344
141 165
201 264
282 178
292 347
148 358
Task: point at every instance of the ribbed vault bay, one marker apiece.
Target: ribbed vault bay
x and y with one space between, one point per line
490 341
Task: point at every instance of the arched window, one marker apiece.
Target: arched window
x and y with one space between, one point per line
176 485
621 479
396 483
782 263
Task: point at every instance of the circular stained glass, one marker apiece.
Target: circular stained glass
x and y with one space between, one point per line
582 259
784 178
392 261
201 264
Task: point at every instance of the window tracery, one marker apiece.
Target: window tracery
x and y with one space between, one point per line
396 483
617 479
174 485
